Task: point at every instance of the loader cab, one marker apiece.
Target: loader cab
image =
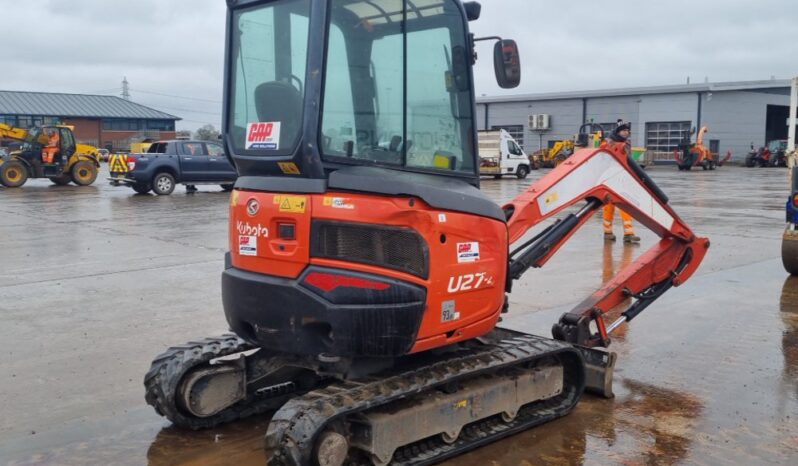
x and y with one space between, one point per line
317 86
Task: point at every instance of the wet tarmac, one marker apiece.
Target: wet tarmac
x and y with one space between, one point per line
95 281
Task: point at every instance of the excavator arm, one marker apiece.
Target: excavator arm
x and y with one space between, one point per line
596 177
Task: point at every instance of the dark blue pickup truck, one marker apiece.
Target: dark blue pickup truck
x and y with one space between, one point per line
167 163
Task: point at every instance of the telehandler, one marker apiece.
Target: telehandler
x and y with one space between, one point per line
47 152
367 272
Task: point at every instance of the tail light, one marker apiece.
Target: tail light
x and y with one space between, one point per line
131 162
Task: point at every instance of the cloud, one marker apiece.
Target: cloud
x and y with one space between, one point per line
176 47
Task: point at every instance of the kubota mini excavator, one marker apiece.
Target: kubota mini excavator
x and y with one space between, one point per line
367 272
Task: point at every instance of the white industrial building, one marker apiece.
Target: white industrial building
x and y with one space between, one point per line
738 114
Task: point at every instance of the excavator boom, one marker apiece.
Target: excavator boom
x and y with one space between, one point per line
597 177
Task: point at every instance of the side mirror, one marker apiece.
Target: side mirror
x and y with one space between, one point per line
507 64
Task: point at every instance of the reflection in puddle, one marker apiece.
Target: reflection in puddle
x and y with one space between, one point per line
239 443
645 425
788 307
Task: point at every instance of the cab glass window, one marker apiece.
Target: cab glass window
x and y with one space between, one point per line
269 48
397 86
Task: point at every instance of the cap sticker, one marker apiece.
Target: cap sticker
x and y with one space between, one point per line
263 135
248 245
467 252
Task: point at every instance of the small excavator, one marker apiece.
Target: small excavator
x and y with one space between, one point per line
47 152
367 272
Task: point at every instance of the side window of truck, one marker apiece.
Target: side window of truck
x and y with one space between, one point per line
215 150
193 148
514 149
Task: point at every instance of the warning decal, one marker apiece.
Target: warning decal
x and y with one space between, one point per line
289 168
263 135
293 204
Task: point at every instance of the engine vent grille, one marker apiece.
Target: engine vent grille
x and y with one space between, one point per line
390 247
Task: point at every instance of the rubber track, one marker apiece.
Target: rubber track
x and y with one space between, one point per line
167 370
294 428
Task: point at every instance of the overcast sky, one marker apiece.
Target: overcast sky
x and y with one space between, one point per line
172 51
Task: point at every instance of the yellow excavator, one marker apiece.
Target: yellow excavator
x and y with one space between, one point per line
47 152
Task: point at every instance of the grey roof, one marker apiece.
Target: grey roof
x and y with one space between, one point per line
671 89
75 105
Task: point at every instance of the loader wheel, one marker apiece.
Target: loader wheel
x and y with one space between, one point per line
163 184
522 172
84 173
13 174
227 187
61 180
789 253
141 188
560 158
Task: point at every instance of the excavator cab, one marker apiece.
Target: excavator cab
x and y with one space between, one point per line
318 86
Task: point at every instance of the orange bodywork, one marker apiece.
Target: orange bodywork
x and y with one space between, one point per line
475 284
468 255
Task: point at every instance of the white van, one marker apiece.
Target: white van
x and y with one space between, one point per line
499 155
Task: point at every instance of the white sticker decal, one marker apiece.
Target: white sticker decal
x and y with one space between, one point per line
244 228
263 136
339 203
442 218
248 245
448 312
467 252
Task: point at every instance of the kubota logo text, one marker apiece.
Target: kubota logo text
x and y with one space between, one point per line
244 228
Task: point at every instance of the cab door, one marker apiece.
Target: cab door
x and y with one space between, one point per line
194 165
67 145
219 166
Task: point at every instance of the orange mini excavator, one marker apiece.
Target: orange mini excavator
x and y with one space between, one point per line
367 272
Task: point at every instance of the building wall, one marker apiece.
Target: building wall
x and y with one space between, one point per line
566 117
87 131
738 118
610 109
734 118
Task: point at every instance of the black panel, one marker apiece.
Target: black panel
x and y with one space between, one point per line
282 315
396 248
283 184
437 191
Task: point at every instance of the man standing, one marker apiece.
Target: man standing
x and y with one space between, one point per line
620 136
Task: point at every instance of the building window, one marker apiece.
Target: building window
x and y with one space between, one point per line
9 120
666 136
161 125
516 131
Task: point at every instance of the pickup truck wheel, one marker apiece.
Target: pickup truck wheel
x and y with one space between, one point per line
13 174
522 172
227 187
163 184
84 173
141 188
